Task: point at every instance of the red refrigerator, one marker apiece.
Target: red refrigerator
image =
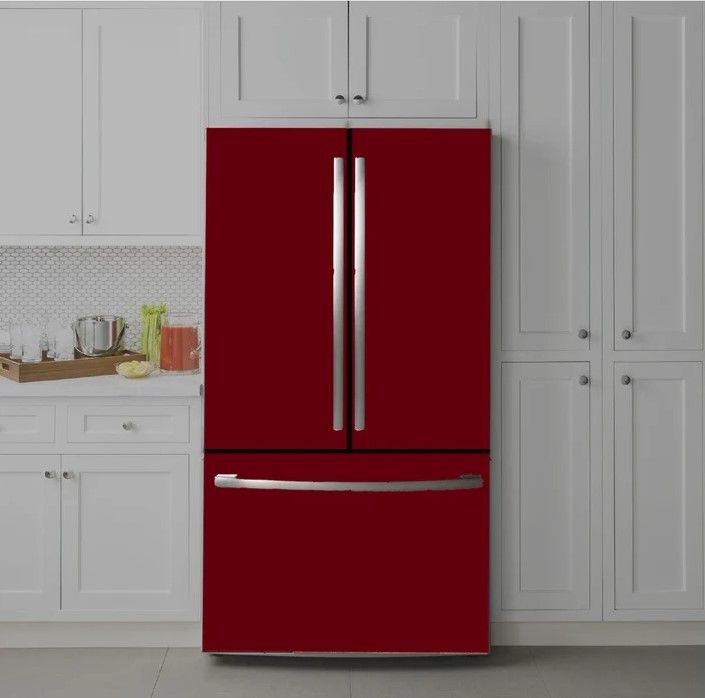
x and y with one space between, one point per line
347 391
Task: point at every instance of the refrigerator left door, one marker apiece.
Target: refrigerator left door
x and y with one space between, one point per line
275 289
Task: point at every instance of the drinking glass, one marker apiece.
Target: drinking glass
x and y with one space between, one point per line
64 343
53 327
15 340
31 344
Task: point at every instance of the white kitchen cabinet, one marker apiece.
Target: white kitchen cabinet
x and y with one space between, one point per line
101 129
125 532
26 424
142 130
658 186
30 513
281 59
127 423
419 59
658 486
337 60
40 122
545 128
545 487
119 537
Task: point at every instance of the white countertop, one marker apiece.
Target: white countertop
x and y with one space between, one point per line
155 385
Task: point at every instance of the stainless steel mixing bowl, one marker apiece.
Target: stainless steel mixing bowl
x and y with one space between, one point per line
99 335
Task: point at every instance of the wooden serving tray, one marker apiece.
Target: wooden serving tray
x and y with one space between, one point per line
50 370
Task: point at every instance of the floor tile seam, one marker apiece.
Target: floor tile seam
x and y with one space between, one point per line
159 672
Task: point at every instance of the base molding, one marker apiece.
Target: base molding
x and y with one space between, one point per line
599 633
172 634
80 634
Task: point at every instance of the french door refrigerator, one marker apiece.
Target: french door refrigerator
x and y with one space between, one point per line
347 391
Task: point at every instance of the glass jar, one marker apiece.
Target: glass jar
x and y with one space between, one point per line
180 350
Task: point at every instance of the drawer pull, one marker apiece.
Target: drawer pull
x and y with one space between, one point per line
464 482
128 426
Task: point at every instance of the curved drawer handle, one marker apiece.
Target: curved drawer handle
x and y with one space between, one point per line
464 482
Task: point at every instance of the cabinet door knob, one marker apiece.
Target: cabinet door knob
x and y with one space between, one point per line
583 380
626 334
583 334
339 99
73 219
626 380
90 218
67 474
49 474
128 426
358 99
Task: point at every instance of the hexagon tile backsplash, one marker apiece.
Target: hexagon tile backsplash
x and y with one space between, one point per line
40 283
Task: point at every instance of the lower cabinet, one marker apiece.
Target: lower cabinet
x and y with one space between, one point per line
108 535
30 516
545 487
124 532
658 488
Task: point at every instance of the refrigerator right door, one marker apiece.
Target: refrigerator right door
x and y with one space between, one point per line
421 291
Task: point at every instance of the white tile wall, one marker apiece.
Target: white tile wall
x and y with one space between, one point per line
39 283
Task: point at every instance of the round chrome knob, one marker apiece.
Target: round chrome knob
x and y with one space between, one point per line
583 334
49 474
358 99
626 380
67 474
90 218
73 219
339 99
128 426
626 334
583 380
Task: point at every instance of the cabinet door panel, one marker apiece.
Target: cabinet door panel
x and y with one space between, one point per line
143 136
545 486
40 122
282 59
125 533
414 59
545 175
658 486
658 192
29 533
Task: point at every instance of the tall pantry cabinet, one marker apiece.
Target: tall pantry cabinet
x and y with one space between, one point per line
598 313
547 369
653 349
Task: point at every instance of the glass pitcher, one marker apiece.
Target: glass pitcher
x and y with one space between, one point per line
180 350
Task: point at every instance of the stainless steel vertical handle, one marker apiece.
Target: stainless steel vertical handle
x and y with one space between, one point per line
338 291
359 294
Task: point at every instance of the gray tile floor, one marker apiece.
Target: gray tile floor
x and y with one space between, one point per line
541 672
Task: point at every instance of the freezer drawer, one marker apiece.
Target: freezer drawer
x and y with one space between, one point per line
346 553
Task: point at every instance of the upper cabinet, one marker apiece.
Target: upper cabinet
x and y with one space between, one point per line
101 130
142 123
40 122
658 186
338 59
281 59
545 131
417 59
